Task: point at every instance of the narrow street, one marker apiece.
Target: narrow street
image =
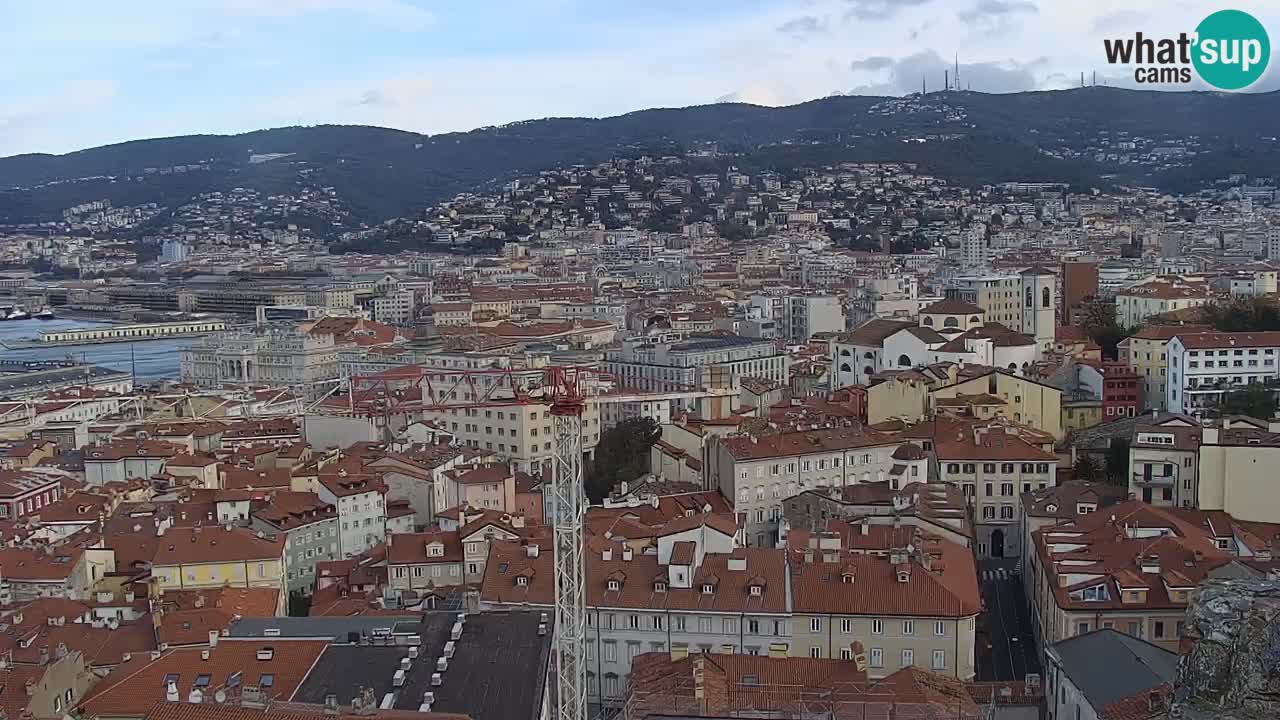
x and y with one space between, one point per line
1006 640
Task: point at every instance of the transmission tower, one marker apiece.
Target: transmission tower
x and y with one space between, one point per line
567 508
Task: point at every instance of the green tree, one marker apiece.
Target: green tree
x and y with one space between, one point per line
621 455
1246 314
1118 462
1086 468
1257 401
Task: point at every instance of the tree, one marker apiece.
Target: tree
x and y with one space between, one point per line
1246 314
1085 468
1257 401
621 455
1100 323
1118 462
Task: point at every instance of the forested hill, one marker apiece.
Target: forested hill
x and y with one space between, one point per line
381 173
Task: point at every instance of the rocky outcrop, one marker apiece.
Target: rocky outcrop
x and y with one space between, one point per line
1232 669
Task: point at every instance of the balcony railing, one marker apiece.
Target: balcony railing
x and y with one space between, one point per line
1145 479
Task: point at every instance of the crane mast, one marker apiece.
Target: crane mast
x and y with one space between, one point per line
567 508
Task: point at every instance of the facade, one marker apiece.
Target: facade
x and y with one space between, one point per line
1146 353
858 355
1136 304
1203 367
1121 391
424 561
520 434
310 531
755 473
23 492
272 357
1025 303
1164 461
699 361
800 317
1236 473
362 513
394 308
123 460
993 466
1022 400
218 556
1079 282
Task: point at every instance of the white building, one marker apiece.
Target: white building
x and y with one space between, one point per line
697 361
362 513
800 317
394 308
1203 367
273 357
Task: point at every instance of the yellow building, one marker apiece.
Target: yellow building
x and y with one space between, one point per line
215 556
903 397
1025 401
1237 473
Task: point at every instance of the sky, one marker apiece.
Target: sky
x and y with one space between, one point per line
82 73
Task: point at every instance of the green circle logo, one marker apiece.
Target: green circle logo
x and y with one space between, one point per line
1232 49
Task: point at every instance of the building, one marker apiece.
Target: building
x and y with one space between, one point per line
1061 503
992 463
1164 461
698 361
273 357
858 355
484 486
25 492
216 556
1121 391
1131 567
910 599
800 317
424 561
362 513
1236 473
1146 353
755 473
394 308
123 460
310 529
1025 303
937 508
1203 367
48 690
1134 305
1079 283
1132 683
1017 398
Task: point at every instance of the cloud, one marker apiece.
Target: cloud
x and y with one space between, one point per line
874 63
405 91
879 9
906 74
75 97
996 10
804 25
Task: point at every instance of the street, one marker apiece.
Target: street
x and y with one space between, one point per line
1006 640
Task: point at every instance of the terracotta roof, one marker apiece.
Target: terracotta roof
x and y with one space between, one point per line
873 332
120 449
133 687
214 544
413 548
952 306
799 443
1230 340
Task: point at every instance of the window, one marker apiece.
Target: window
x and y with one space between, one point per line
610 651
202 681
846 653
1157 630
877 627
633 622
876 660
171 678
908 627
815 625
266 680
939 659
753 627
846 625
908 657
704 624
815 652
939 628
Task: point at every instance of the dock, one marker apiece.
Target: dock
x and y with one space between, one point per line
118 333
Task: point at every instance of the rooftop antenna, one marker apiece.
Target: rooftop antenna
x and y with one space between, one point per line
1095 77
946 79
1081 78
957 71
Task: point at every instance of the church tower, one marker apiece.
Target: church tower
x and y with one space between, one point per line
1039 306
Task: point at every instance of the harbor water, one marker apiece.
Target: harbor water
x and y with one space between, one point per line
147 359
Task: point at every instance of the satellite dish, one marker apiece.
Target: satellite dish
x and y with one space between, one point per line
220 696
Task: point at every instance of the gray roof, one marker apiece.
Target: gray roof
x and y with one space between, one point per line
498 670
336 628
28 382
1108 665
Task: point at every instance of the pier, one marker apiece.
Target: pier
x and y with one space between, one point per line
127 333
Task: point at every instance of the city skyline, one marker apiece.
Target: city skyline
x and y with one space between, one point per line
109 75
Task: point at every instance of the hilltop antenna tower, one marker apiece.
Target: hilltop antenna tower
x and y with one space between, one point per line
957 71
567 509
946 80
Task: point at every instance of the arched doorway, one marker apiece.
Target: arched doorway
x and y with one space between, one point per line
997 543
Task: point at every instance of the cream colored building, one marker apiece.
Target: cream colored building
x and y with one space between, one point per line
1164 462
274 357
1145 353
523 435
904 397
1136 304
1237 473
1027 402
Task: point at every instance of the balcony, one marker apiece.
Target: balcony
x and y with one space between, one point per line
1155 480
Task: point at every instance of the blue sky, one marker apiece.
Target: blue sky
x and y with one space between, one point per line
80 73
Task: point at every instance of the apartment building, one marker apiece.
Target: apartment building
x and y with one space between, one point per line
522 435
992 462
1203 367
424 561
361 503
698 361
1134 305
800 317
1164 461
938 509
189 558
1145 352
696 593
1236 473
485 486
909 598
1061 503
1132 567
1021 400
25 492
755 473
1025 303
67 571
310 530
394 308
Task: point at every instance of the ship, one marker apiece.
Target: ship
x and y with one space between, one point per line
45 314
18 314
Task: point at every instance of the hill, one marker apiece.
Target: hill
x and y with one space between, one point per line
381 173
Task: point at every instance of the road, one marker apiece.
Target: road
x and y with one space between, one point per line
1006 648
